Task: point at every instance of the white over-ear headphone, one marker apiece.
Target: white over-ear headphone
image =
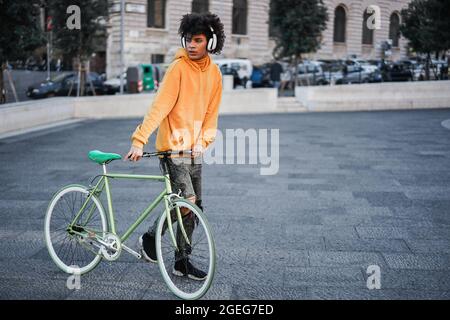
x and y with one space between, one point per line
212 42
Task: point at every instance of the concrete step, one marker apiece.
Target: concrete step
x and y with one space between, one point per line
290 104
287 99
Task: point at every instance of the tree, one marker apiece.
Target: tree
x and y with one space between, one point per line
78 42
298 27
426 25
20 31
440 16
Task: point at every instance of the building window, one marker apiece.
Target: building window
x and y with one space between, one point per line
239 17
339 24
200 6
394 29
157 58
367 37
156 14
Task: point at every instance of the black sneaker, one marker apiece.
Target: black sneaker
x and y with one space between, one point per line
148 247
184 267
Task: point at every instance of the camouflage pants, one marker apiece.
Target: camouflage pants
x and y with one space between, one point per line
185 175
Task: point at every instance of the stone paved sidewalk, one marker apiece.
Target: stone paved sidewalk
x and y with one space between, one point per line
353 189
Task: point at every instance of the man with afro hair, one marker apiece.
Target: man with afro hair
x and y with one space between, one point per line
185 109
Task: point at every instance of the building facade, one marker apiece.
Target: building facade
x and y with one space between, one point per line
347 32
151 30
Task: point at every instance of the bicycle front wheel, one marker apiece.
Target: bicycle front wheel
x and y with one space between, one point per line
68 240
175 263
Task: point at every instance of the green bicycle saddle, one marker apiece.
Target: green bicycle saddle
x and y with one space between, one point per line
103 157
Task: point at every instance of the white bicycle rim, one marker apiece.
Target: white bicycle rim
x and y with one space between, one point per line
48 240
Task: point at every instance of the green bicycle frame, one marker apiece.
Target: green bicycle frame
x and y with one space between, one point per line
103 183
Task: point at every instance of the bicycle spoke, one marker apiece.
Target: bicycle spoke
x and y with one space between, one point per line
200 257
80 252
68 247
198 242
64 241
58 236
63 212
199 249
68 202
73 202
62 228
68 206
72 249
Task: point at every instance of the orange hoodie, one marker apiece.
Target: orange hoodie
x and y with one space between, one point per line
186 106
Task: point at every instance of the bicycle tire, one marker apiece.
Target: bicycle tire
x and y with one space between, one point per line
71 265
176 283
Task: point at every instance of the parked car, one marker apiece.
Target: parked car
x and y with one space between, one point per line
33 64
414 66
436 69
350 71
112 86
243 67
261 76
367 66
230 71
332 70
311 73
398 72
357 75
360 71
63 84
93 78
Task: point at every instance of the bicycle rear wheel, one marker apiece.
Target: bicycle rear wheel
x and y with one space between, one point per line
68 244
200 252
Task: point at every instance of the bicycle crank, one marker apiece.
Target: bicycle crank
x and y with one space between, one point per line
111 247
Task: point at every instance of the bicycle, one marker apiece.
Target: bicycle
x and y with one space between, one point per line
79 234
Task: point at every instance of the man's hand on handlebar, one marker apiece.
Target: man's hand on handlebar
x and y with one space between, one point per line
135 154
197 150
